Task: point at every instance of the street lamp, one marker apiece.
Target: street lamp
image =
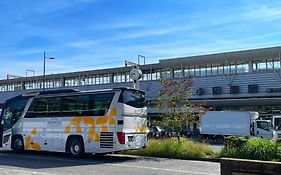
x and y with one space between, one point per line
139 57
29 70
44 68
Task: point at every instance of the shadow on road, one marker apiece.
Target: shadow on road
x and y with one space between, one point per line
40 160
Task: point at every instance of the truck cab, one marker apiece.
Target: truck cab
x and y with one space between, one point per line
264 129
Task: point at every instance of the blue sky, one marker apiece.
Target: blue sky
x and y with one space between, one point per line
94 34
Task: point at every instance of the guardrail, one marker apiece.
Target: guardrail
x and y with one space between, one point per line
230 166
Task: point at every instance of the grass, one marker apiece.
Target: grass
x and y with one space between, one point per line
172 148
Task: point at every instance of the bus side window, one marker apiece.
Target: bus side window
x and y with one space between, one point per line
75 105
54 106
82 105
100 103
69 106
42 107
31 113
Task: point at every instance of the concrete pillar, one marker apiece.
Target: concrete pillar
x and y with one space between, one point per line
23 85
111 78
62 82
172 73
250 64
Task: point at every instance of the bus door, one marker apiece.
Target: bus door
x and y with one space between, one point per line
6 129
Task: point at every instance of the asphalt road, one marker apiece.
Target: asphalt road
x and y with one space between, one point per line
43 163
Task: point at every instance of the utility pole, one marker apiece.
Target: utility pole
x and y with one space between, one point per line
44 68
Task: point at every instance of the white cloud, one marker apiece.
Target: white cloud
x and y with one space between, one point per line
263 11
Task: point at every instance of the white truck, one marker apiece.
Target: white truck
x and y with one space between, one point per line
276 122
217 124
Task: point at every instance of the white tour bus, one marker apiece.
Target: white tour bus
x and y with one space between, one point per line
75 121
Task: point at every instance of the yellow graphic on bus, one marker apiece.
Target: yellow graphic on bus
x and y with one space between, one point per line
140 128
104 121
28 143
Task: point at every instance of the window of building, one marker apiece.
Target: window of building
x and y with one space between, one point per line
242 68
106 79
203 71
165 74
214 70
262 66
276 64
220 70
178 73
232 69
189 72
209 71
197 72
226 70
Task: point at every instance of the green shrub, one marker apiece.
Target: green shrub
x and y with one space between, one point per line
278 141
234 141
254 148
172 148
261 149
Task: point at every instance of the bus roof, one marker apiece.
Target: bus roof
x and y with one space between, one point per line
66 91
48 92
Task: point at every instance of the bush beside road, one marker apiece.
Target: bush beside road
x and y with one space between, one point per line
235 147
252 148
172 148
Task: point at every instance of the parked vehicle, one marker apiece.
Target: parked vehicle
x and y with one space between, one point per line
217 124
76 122
276 122
155 132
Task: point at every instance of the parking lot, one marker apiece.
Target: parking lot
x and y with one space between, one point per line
53 163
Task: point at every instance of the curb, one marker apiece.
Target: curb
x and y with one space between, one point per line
194 159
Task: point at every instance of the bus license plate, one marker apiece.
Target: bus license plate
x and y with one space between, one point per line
130 138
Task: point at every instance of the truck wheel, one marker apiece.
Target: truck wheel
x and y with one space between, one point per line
75 147
17 144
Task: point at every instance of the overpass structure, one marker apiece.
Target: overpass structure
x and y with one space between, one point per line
247 80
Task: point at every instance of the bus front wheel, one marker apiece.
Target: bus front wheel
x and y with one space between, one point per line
17 144
75 147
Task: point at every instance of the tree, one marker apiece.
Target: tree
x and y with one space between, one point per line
174 107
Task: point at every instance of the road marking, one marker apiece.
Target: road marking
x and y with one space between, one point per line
162 169
25 171
109 164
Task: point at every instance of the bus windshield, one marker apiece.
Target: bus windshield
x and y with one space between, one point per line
12 112
132 98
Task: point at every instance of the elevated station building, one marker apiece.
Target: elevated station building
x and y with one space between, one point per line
248 80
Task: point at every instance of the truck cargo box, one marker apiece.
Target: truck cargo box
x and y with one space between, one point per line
227 122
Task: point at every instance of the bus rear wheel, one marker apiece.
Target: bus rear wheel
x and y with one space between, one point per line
75 147
17 144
